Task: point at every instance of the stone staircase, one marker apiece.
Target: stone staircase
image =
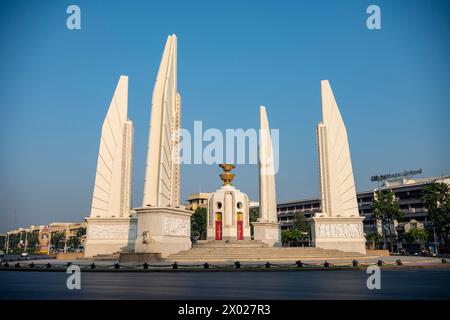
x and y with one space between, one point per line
230 244
254 251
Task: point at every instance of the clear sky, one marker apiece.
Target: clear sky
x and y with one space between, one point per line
392 86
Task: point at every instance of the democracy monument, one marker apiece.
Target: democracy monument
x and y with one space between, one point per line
161 226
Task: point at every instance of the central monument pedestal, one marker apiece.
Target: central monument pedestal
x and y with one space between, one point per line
267 232
163 230
227 215
338 233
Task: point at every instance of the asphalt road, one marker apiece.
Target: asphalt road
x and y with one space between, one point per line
351 284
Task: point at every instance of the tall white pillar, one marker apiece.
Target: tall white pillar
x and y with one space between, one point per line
267 228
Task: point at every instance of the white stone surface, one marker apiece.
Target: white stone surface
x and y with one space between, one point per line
267 229
163 226
175 226
109 235
228 201
112 188
337 185
163 230
162 177
339 225
339 233
267 191
111 227
267 232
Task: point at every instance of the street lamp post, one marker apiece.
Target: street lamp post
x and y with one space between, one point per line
435 242
26 241
7 243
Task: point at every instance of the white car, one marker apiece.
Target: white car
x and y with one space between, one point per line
24 255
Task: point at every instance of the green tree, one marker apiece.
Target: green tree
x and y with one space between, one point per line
291 235
253 215
301 223
416 235
374 238
57 239
299 231
32 241
198 223
437 201
3 242
386 209
75 241
14 240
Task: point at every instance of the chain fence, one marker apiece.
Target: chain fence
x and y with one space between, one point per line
116 266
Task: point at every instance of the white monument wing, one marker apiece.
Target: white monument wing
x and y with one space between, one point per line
112 186
338 193
161 186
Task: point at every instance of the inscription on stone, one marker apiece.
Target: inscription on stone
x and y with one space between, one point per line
271 234
339 230
175 226
112 232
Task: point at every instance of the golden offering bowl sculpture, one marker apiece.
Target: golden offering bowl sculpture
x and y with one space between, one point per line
227 176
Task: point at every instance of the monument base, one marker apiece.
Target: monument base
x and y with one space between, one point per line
131 257
338 233
109 236
163 230
267 232
229 233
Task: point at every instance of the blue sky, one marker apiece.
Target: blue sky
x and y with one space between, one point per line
392 86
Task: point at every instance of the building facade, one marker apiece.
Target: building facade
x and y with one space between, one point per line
409 193
37 238
197 200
